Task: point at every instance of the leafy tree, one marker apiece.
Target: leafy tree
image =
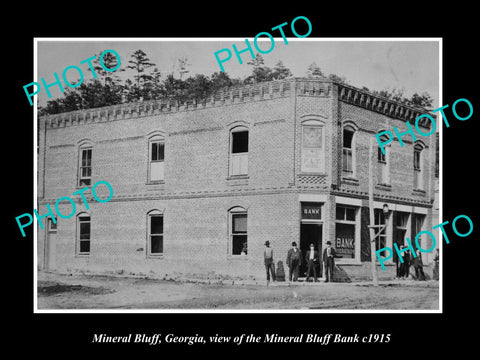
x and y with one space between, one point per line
314 71
110 61
339 79
139 63
280 71
423 100
260 72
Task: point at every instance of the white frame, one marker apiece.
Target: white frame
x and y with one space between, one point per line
153 140
350 173
78 240
243 155
150 214
81 149
235 211
318 124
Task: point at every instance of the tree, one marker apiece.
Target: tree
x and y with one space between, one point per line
280 71
260 72
339 79
314 71
423 100
140 62
110 61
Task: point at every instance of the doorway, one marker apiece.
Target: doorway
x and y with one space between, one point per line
310 234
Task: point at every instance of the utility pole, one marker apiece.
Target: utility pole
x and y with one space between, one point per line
372 214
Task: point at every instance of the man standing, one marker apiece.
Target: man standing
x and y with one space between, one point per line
312 260
328 259
269 264
294 257
418 265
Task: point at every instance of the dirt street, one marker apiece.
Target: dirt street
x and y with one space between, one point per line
57 291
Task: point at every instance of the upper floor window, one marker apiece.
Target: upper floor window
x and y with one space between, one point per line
417 167
156 159
239 151
313 150
383 166
348 158
85 170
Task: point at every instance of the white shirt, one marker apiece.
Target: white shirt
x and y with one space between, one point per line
312 253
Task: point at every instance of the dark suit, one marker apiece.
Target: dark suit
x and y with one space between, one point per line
418 265
329 262
294 258
312 264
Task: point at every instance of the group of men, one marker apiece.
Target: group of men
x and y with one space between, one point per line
403 268
294 260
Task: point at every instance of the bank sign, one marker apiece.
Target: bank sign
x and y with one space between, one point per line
345 240
311 211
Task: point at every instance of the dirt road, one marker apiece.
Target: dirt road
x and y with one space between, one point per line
57 291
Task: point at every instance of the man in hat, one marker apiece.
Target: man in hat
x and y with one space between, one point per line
312 260
329 255
294 258
269 264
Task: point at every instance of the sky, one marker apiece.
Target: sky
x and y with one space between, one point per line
411 65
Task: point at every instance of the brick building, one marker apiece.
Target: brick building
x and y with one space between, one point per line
199 187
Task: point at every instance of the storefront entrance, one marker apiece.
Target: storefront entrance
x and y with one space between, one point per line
310 234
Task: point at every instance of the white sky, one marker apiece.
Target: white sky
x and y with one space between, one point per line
409 65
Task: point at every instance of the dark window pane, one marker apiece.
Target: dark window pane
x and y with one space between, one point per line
340 213
347 139
85 182
238 243
154 151
239 223
161 152
240 142
53 226
84 246
156 244
381 155
84 230
351 214
156 224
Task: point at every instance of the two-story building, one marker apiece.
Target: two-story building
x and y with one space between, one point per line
199 187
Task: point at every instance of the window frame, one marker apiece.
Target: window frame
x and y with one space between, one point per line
383 163
80 178
231 213
418 170
156 139
312 123
232 157
78 233
151 214
352 150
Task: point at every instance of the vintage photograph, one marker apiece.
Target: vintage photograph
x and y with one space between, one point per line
166 184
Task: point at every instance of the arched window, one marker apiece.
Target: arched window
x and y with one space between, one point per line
313 149
238 151
155 233
348 154
417 166
85 150
83 234
238 231
156 158
383 165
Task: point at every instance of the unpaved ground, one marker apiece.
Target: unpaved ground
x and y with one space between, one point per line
57 291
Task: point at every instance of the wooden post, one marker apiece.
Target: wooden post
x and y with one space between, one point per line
372 214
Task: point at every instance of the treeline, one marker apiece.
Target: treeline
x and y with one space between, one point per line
146 83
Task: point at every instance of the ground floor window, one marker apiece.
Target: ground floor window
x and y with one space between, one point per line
381 240
83 234
155 233
238 232
345 231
